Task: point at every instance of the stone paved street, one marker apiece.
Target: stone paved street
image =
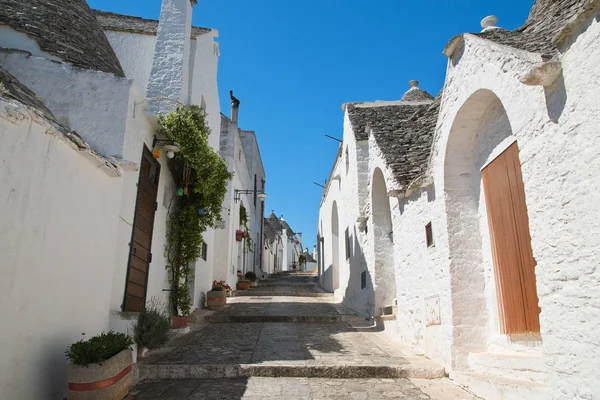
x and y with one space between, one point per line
275 347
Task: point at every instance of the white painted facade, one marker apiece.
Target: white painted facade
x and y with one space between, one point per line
68 212
446 294
240 150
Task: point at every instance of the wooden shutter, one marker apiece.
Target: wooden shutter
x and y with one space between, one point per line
514 265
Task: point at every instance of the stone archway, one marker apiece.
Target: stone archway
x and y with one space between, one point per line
481 131
385 281
335 248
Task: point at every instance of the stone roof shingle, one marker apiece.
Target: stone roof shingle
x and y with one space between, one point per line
66 29
407 148
403 130
110 21
546 20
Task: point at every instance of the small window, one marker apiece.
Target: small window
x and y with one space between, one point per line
429 235
204 251
363 280
347 243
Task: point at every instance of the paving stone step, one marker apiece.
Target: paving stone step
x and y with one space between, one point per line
283 283
274 318
240 293
217 371
261 388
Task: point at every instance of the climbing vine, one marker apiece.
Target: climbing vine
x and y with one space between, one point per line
244 223
201 175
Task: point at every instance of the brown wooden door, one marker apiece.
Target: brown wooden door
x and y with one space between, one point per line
140 254
514 265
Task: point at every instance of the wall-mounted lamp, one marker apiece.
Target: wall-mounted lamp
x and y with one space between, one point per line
237 193
168 145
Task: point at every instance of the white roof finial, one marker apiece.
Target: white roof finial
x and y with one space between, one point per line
413 83
489 22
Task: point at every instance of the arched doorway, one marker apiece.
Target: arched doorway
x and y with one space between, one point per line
335 248
491 263
385 280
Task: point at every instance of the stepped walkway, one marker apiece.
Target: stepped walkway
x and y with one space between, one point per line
272 345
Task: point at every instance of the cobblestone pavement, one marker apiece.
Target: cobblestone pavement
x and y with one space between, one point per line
321 350
299 389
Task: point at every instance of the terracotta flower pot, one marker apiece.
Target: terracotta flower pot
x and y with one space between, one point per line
178 322
107 380
243 285
216 299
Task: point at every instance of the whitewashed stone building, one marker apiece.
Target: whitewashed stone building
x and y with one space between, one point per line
80 91
465 224
282 246
246 190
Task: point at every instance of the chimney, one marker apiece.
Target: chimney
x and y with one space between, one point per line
299 235
235 107
169 76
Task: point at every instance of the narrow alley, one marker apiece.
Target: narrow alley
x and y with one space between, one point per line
288 339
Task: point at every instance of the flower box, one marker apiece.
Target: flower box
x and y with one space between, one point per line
108 380
178 322
215 300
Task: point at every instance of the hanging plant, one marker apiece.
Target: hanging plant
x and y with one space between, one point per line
202 176
244 223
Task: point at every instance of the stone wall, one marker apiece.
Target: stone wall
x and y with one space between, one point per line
56 282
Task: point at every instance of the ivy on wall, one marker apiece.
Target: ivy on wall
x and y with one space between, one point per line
203 175
244 223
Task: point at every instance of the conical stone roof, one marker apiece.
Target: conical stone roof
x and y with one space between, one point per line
66 29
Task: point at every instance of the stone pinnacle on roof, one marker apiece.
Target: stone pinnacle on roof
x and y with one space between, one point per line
489 23
415 93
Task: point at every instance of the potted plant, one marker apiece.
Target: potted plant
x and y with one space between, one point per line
100 368
251 277
216 298
239 235
152 328
243 284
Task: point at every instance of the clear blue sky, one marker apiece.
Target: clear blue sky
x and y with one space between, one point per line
292 63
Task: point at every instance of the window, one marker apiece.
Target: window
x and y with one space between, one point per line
429 235
363 280
347 243
204 251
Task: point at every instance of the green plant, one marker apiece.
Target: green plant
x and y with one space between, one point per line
217 289
251 276
301 260
153 327
244 223
203 172
243 281
99 348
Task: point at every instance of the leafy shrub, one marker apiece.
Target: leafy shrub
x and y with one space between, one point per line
153 327
99 348
251 276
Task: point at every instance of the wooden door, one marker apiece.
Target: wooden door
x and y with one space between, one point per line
140 254
514 265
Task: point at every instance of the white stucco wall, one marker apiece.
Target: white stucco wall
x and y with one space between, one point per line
558 144
135 53
89 102
60 217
